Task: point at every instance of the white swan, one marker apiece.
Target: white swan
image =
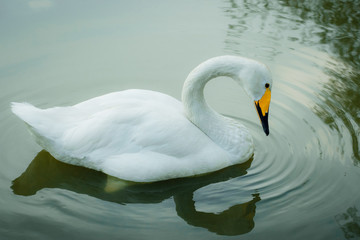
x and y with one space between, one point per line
147 136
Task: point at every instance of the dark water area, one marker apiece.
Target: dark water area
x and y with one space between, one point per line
302 182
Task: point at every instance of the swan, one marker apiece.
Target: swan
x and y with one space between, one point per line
146 136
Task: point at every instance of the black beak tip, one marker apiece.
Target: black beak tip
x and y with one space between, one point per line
265 124
267 132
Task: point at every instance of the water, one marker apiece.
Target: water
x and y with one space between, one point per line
303 180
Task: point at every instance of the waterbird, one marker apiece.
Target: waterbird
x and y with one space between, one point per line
147 136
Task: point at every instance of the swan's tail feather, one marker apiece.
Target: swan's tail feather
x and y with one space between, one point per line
25 112
37 121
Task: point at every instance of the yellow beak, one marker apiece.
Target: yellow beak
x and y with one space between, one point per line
262 107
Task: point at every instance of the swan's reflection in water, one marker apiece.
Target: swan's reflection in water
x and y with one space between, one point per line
46 172
236 220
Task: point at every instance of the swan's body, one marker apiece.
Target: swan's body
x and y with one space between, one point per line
146 136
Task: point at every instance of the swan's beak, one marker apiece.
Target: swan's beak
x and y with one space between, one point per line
262 107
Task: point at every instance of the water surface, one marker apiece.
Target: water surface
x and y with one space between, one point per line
303 179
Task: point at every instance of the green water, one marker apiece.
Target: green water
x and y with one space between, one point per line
303 180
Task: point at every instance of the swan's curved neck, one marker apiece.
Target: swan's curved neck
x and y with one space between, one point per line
216 126
193 89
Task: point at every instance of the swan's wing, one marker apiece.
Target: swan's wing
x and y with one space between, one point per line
152 138
123 122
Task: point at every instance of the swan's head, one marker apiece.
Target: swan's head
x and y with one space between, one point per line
257 82
253 76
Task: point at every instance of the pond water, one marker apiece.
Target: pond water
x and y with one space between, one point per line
303 181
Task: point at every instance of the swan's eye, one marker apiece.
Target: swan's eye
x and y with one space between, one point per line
267 85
